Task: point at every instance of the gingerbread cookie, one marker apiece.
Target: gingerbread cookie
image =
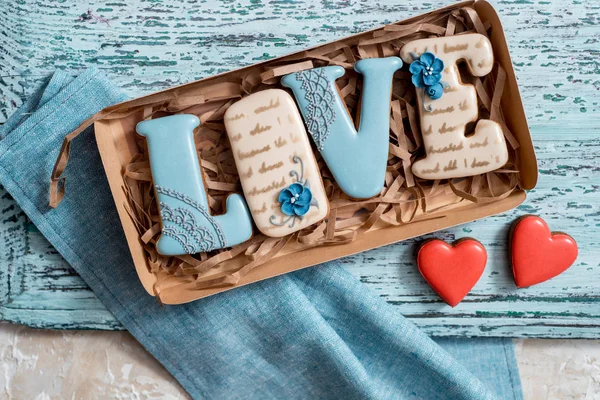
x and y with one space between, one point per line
357 160
446 106
187 226
279 175
452 270
538 254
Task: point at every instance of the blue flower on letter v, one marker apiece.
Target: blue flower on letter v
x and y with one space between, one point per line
427 74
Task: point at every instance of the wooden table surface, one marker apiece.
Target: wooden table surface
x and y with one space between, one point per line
144 46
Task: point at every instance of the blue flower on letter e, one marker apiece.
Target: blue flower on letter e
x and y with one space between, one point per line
426 73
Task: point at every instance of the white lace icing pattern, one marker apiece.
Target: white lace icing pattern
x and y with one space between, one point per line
319 113
183 226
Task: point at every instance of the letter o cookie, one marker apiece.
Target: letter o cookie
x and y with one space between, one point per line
278 171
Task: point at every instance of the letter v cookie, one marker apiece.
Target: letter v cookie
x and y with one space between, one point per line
446 106
278 171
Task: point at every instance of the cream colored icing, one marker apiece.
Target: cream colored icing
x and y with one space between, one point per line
266 131
449 154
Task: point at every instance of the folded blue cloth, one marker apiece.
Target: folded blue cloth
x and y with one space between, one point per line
315 333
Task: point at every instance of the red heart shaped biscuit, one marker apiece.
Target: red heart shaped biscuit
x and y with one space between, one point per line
538 254
452 270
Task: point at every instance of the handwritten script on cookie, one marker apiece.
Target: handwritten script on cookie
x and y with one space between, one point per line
266 133
449 154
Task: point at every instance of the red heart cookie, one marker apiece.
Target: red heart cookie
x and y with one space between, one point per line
538 254
452 270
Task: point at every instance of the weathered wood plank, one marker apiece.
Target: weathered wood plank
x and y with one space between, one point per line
147 46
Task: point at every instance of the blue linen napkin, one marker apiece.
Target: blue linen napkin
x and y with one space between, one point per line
315 333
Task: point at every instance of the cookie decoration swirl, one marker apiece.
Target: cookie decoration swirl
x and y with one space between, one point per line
296 199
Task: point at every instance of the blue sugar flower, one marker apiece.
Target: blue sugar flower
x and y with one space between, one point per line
435 91
427 70
295 199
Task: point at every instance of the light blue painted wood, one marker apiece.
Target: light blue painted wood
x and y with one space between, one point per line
145 46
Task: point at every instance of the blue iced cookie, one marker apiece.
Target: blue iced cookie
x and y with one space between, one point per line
357 160
187 226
